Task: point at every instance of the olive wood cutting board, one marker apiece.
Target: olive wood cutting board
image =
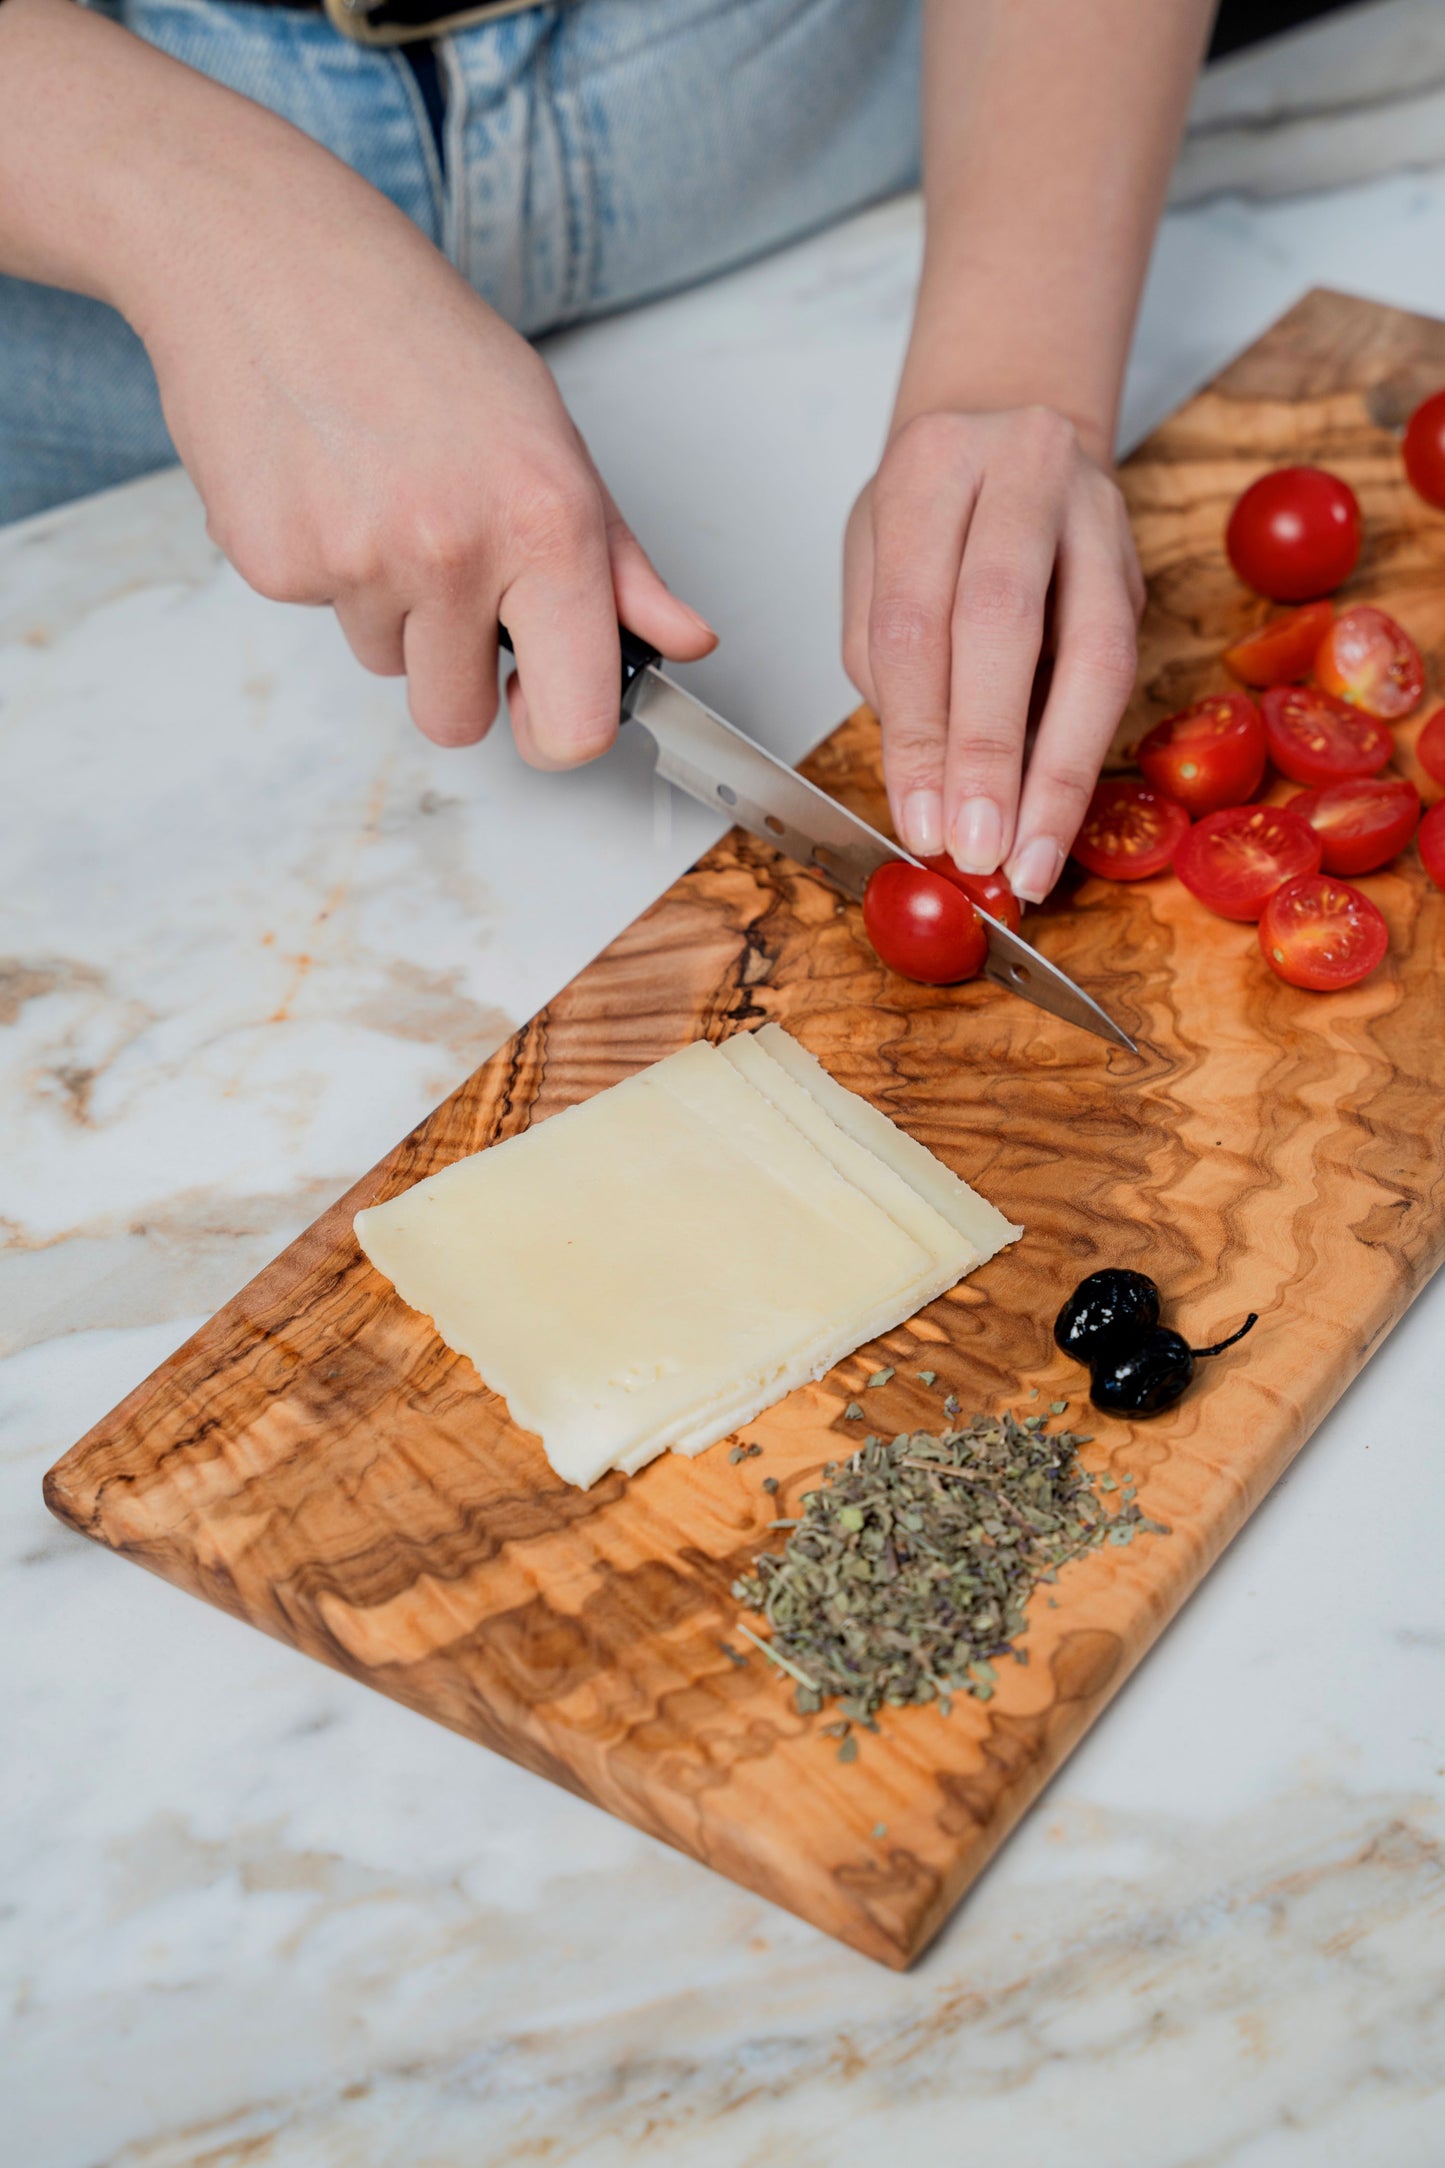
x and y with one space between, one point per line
315 1460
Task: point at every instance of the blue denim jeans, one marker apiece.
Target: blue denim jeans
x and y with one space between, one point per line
593 153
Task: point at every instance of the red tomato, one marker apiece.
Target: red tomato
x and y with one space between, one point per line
1321 933
1430 747
1129 831
1314 738
1424 449
1209 755
1236 859
1362 822
923 927
1282 650
1295 534
988 891
1431 839
1367 659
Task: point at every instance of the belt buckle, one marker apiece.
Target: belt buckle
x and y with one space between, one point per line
408 22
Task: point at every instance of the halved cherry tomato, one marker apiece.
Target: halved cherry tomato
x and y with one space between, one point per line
1424 449
1367 659
922 926
1236 859
1362 822
1321 933
1430 747
1284 649
1315 739
1295 534
1208 755
1431 839
1129 831
988 891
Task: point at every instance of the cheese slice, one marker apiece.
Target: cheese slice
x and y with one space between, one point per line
973 1216
663 1247
655 1266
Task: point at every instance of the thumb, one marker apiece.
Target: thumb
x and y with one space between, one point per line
645 604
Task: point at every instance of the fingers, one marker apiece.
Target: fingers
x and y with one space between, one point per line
923 499
1098 600
998 635
857 595
373 628
450 653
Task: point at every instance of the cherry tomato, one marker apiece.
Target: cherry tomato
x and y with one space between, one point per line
922 926
1321 933
1295 534
1424 449
1130 830
1430 747
1431 839
988 891
1208 755
1284 649
1234 860
1362 822
1367 659
1314 738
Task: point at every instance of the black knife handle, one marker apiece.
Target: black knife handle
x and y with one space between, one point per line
637 656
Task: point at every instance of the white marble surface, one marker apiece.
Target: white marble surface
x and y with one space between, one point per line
255 1917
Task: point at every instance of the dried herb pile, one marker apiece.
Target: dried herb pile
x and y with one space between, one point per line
909 1571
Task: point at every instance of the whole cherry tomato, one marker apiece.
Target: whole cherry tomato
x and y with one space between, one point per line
1208 755
1431 839
1424 449
922 926
1234 860
989 891
1369 660
1430 747
1295 534
1129 831
1362 823
1320 933
1315 738
1283 650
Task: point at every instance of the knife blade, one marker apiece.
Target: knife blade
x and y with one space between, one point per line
719 765
716 763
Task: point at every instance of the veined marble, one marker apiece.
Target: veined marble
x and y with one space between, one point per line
255 1917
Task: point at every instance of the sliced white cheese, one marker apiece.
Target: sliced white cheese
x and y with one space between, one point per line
974 1217
669 1247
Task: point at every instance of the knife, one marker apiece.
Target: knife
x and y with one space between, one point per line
714 762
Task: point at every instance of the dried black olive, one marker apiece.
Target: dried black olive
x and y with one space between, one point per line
1148 1376
1107 1310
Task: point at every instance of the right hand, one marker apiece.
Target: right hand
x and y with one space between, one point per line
366 432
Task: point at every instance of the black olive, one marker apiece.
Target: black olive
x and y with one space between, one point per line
1149 1376
1105 1311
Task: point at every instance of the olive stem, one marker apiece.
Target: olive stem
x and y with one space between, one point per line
1220 1345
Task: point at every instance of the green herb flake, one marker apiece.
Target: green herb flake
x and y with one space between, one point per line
926 1377
907 1574
880 1829
1058 1407
848 1749
770 1485
738 1452
879 1377
1107 1483
853 1413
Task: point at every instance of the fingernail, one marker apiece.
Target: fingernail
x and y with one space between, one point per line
1035 869
977 836
923 823
700 621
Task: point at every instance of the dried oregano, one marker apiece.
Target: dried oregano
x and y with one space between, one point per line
910 1568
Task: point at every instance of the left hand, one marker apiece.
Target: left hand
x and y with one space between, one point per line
986 546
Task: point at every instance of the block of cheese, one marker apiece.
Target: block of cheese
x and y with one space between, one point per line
655 1266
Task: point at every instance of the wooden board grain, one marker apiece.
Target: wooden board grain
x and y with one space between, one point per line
316 1462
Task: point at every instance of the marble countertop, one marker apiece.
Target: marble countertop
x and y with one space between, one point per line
253 1914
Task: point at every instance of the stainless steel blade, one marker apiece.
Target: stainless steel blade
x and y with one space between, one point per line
717 764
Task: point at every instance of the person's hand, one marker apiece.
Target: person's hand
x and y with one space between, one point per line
366 432
985 548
